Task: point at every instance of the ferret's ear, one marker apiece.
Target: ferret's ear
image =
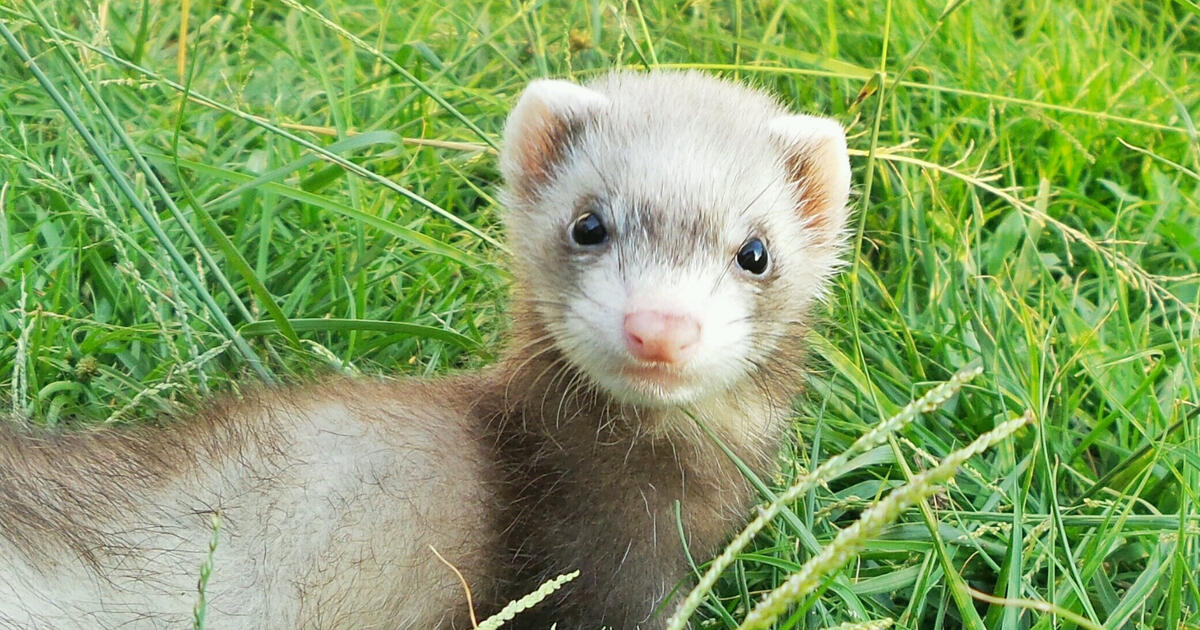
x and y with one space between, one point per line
541 129
815 161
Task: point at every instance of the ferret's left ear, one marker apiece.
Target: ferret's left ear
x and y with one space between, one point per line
814 159
541 129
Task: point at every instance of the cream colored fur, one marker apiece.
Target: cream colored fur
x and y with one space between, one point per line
329 499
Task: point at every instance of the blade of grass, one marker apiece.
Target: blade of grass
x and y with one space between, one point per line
340 325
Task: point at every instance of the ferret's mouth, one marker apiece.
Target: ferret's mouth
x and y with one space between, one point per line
654 375
652 384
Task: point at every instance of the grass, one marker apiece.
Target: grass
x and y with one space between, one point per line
317 191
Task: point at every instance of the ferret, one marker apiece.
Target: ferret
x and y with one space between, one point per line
669 235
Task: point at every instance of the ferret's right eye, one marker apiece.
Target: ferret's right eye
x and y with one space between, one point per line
753 257
589 230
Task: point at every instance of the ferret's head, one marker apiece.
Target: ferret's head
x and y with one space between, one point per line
670 231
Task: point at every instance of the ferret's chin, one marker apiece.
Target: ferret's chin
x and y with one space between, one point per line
649 386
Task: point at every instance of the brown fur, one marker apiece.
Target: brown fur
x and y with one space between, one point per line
594 488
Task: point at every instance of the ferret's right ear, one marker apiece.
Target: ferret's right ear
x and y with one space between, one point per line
541 130
817 164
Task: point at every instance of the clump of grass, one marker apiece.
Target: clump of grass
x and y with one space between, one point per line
869 525
827 471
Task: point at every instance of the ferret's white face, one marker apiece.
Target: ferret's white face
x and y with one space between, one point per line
672 229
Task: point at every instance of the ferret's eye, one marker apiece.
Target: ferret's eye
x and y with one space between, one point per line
753 257
589 230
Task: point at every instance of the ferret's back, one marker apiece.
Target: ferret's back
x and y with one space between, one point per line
321 493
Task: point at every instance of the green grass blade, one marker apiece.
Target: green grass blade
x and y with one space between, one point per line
341 325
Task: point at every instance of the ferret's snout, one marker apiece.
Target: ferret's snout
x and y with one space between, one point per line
660 337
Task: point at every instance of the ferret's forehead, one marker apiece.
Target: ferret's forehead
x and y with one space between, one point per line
686 138
715 139
670 166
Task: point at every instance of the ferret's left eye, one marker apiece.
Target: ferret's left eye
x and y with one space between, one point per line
589 230
753 257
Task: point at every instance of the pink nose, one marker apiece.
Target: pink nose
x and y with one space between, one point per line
660 337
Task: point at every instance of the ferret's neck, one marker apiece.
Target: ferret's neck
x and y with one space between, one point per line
600 481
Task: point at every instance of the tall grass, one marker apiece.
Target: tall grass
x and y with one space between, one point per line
1028 176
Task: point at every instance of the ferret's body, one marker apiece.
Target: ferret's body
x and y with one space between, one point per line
669 233
329 499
